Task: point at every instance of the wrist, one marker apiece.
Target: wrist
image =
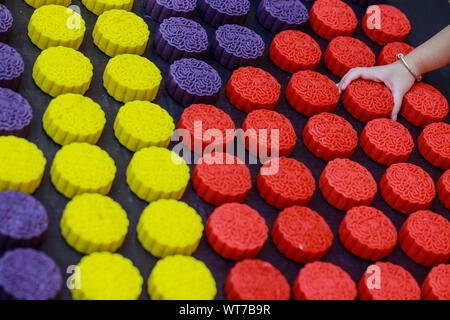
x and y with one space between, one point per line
410 67
414 64
402 72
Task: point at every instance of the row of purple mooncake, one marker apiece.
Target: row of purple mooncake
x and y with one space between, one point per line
274 15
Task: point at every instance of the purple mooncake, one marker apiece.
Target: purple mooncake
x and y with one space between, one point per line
162 9
11 67
366 3
278 15
15 114
236 46
23 220
28 274
6 22
193 81
219 12
178 37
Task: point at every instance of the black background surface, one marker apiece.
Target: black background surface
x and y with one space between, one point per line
427 18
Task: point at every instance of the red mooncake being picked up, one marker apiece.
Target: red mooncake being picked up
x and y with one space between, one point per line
424 104
384 23
389 53
323 281
386 141
366 100
345 53
407 188
293 50
388 281
434 144
425 238
284 182
436 284
301 234
254 279
311 93
329 136
345 184
443 189
332 18
236 231
368 233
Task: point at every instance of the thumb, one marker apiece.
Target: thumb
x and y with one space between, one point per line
351 75
398 100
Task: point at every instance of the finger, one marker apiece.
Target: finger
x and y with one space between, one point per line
353 74
372 73
398 99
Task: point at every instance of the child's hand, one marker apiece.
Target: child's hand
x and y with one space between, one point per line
395 76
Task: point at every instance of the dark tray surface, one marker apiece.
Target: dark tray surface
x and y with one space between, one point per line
427 18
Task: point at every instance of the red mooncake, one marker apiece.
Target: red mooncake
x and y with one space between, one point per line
366 100
323 281
301 234
344 53
311 93
389 53
220 178
443 189
266 132
254 279
236 231
368 233
437 283
386 141
345 184
206 126
424 104
293 50
434 144
425 238
329 136
284 182
251 88
407 188
387 281
332 18
384 23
